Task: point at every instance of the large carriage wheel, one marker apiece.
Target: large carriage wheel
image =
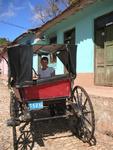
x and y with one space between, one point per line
83 120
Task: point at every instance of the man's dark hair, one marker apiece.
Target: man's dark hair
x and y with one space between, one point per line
44 58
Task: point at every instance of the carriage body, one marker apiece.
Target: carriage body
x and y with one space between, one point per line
40 93
54 88
56 93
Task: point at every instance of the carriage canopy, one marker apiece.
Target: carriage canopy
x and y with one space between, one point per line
21 59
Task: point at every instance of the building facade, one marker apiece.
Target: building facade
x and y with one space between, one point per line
90 27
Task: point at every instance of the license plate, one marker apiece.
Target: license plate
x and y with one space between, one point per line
35 105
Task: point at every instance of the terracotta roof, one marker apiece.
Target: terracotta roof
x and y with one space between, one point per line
80 4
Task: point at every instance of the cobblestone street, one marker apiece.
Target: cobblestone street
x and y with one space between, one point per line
51 135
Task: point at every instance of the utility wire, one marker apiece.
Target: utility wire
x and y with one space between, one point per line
11 24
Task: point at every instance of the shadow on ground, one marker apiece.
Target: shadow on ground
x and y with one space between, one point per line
36 132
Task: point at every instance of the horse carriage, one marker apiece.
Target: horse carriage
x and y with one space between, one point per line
30 95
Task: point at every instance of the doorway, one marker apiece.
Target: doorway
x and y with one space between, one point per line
104 50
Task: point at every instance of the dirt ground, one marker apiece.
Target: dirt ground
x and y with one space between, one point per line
49 135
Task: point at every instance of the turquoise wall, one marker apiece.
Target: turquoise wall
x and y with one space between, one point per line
59 70
83 21
35 62
27 39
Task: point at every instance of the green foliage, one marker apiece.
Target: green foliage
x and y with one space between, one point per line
71 2
3 41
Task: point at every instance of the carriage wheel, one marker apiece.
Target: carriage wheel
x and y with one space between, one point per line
22 137
25 141
15 112
15 109
83 120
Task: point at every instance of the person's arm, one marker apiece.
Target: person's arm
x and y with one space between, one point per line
34 74
52 72
38 73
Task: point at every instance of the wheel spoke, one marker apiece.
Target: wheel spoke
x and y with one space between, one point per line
87 121
77 94
87 135
80 98
74 98
20 146
87 112
29 146
87 129
20 141
24 135
21 138
29 135
85 102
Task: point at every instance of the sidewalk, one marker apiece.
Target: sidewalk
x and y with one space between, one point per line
87 82
100 91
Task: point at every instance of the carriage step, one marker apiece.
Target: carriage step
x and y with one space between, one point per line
51 118
13 122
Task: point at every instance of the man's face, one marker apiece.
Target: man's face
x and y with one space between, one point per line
44 64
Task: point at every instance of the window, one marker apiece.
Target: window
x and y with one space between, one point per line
53 40
69 36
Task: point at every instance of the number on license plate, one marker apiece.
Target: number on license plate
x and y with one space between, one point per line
35 105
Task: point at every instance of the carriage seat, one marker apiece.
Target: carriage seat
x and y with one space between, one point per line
42 81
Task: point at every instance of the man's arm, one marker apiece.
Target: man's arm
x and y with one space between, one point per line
53 73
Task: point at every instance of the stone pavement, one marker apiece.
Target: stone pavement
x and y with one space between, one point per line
49 135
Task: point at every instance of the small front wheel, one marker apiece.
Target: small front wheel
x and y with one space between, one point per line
15 113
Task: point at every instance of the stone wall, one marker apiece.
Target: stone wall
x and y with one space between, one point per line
103 108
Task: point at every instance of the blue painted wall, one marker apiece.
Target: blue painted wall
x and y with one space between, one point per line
35 62
83 21
27 39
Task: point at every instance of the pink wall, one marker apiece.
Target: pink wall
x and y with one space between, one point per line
3 67
85 79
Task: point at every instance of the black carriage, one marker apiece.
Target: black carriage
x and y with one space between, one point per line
58 93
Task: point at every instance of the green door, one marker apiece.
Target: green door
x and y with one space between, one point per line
99 57
104 56
109 55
